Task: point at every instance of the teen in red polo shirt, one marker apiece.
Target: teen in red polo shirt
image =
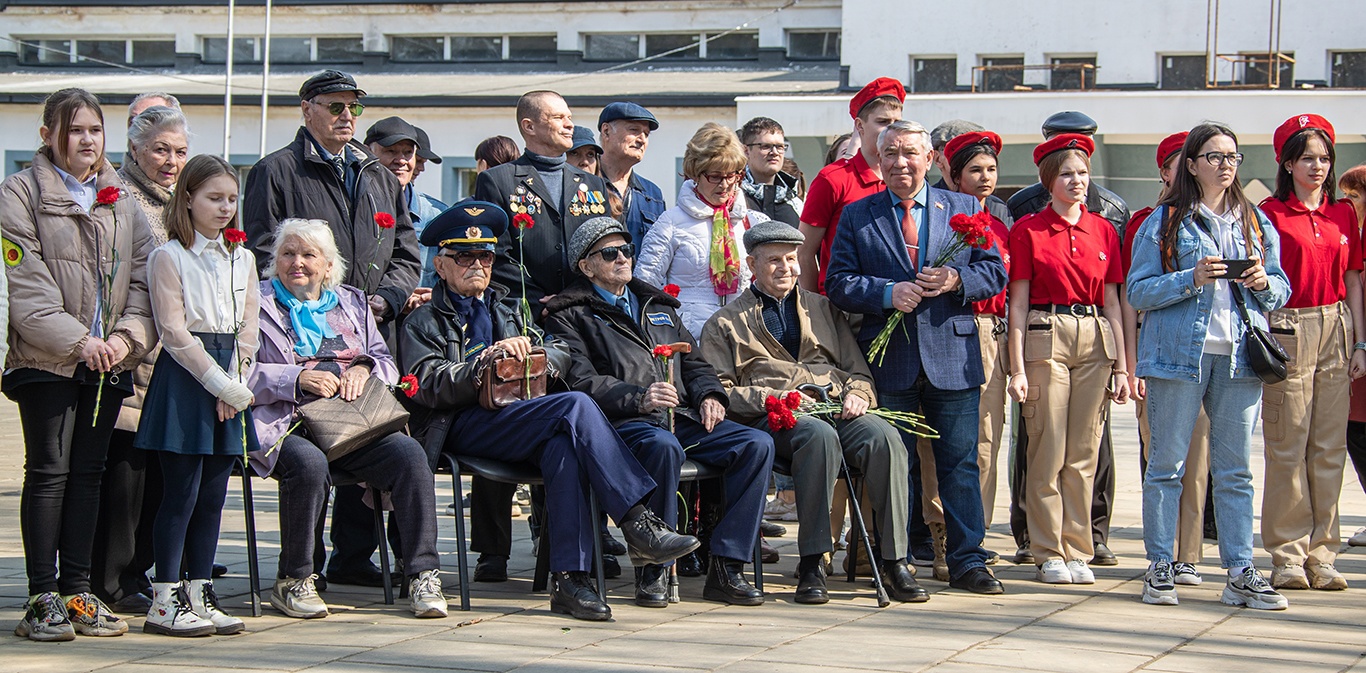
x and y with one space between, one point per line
847 180
1066 349
1353 186
1304 418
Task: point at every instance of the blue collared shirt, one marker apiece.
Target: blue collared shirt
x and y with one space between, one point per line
82 192
632 305
920 212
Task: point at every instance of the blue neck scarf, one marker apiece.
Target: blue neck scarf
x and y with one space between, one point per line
309 318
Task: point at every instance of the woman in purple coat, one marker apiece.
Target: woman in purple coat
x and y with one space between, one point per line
319 339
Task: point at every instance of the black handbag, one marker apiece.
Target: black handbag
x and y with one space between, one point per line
339 427
1264 353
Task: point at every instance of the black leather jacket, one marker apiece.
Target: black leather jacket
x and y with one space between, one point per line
614 359
433 339
1099 201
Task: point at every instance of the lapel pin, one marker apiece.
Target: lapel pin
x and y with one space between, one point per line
939 205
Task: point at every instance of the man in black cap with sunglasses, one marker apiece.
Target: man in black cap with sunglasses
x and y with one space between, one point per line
326 174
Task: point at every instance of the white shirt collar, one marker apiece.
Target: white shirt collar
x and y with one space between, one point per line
201 244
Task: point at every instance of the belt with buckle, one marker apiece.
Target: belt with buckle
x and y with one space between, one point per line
1078 310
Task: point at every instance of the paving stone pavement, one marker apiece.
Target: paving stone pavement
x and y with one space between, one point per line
1093 629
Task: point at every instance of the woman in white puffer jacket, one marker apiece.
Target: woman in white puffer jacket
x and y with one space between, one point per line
685 248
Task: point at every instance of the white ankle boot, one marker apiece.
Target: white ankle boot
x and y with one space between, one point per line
204 602
172 615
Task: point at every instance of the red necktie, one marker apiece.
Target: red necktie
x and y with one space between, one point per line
911 232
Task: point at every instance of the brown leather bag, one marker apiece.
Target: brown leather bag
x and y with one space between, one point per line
339 427
502 380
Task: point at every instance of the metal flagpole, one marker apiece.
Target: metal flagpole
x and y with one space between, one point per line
265 79
227 85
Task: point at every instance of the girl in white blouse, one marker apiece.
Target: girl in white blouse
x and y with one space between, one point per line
204 302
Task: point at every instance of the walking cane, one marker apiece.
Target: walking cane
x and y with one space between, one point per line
822 393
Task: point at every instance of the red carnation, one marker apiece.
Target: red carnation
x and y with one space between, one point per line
788 421
663 351
671 290
523 221
793 400
775 421
384 220
408 384
108 195
772 404
234 236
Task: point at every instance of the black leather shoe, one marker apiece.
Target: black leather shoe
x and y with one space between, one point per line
573 594
767 553
770 529
811 581
649 539
1104 557
726 583
219 570
364 576
132 604
1023 556
611 545
900 582
491 568
611 567
689 565
652 586
978 581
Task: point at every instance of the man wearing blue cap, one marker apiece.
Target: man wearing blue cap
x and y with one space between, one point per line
448 340
625 131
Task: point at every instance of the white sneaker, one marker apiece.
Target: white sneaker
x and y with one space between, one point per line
1081 574
1054 571
425 595
1251 589
1158 586
1322 576
171 614
298 598
1186 574
1358 540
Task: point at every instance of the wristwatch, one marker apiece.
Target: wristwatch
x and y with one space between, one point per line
1359 346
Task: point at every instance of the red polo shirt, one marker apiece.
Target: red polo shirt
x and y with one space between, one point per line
1318 247
1065 263
1000 237
1126 257
835 187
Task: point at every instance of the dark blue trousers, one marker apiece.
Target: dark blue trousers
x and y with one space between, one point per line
567 436
746 455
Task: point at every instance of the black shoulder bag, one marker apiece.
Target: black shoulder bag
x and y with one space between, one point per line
1264 353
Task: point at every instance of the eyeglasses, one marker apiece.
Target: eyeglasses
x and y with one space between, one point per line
723 178
336 108
1216 158
769 147
609 254
469 259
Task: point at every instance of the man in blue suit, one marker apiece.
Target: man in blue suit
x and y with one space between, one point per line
880 263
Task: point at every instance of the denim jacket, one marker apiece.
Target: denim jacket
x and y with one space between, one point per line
1176 313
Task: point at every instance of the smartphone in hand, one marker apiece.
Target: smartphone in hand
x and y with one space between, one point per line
1236 267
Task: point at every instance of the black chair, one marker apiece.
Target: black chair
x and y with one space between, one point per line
339 478
692 471
509 473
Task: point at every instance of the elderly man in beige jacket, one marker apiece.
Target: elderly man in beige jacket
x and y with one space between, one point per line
775 337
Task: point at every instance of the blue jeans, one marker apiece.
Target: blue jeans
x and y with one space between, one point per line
954 414
1173 406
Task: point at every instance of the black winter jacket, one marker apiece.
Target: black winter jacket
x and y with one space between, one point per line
296 181
433 348
1099 200
613 355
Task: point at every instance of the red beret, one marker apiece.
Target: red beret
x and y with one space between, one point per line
1066 141
882 86
1296 124
972 138
1169 146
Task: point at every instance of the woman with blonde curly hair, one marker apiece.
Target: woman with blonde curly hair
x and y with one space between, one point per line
697 245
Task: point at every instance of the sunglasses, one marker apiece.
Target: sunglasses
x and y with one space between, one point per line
609 254
469 259
337 108
723 178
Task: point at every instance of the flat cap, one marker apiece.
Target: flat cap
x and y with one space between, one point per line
772 231
1069 121
592 231
467 225
328 81
942 134
583 137
424 146
627 111
391 131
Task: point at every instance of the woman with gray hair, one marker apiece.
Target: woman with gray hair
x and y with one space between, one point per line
158 147
319 339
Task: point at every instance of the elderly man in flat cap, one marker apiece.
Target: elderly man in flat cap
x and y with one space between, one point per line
449 339
777 337
660 403
326 174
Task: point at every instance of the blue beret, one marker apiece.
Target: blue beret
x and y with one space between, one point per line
629 112
467 225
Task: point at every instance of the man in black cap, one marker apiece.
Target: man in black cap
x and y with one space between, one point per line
557 197
326 174
404 149
1108 205
625 129
448 340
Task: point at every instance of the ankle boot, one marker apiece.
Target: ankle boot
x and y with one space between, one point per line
171 614
204 602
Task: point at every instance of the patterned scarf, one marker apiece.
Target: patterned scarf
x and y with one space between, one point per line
723 264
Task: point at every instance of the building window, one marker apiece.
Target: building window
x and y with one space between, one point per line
1257 70
1002 80
930 75
95 53
243 49
109 51
1185 72
47 51
1349 69
818 44
611 47
1069 72
153 52
417 49
289 50
532 47
476 48
673 45
734 47
286 49
339 49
